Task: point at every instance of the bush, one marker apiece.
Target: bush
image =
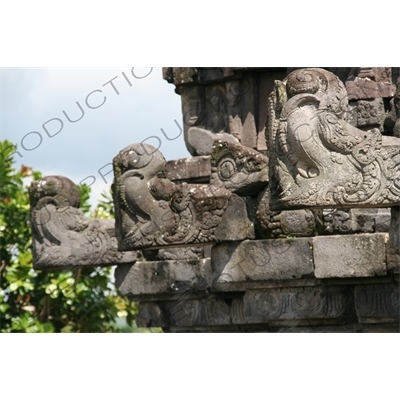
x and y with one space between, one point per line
78 300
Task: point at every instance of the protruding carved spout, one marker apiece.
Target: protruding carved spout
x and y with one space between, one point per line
63 237
319 160
152 211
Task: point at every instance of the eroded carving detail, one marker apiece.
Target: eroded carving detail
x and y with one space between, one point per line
63 237
371 114
279 224
363 220
240 169
289 304
153 212
317 158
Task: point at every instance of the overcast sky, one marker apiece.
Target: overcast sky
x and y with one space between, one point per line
33 97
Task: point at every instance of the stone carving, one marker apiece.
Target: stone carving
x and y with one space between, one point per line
238 168
356 220
376 302
153 212
228 103
370 114
289 304
318 159
63 237
280 224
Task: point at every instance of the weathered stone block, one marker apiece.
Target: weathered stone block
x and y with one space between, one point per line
261 260
370 83
377 303
163 277
350 256
370 113
203 140
183 312
234 224
296 304
195 169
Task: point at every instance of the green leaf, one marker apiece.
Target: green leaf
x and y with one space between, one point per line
4 307
13 286
82 300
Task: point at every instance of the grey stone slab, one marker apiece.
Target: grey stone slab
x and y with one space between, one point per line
260 260
370 83
234 224
181 312
377 303
350 256
203 140
297 304
196 169
163 277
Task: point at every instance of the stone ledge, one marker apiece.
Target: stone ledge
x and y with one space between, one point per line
377 303
194 169
360 308
162 277
262 264
286 307
260 260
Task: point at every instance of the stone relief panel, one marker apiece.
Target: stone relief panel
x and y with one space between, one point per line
63 237
154 212
378 302
356 220
317 158
280 224
240 169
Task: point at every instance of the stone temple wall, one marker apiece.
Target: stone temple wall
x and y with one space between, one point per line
285 218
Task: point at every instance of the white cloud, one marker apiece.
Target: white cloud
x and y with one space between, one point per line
31 97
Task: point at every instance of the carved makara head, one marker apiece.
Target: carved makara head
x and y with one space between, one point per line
306 81
58 189
140 156
315 85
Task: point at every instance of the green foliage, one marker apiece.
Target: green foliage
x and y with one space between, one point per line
78 300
